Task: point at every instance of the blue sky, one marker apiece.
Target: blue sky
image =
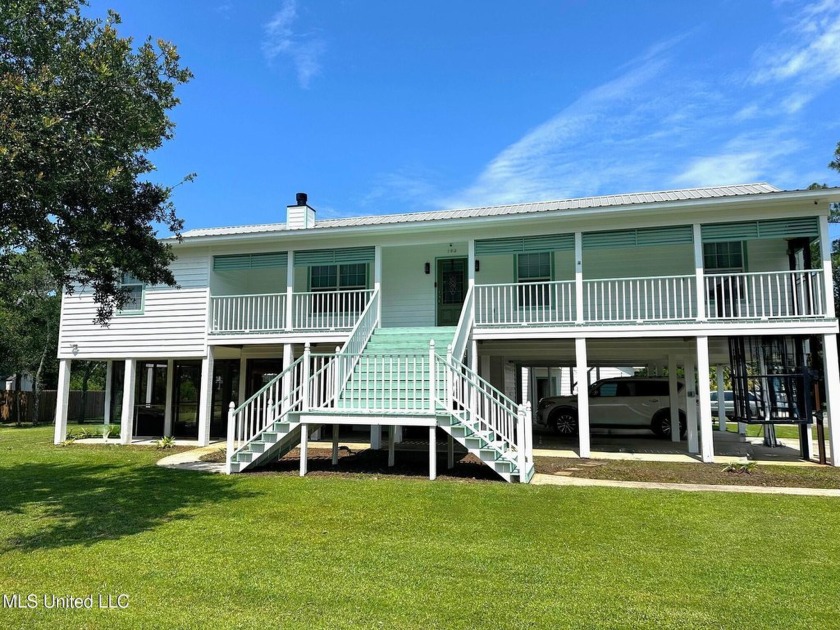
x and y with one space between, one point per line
374 106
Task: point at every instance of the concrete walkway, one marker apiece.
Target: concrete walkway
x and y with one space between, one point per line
558 480
191 460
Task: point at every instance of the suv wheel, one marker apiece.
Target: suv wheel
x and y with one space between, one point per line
661 424
564 421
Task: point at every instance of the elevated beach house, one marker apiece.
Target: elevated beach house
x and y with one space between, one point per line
453 324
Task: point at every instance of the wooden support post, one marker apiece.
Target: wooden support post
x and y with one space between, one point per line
691 405
707 442
432 453
583 399
231 435
129 388
832 394
205 406
335 445
521 444
450 452
304 448
170 397
62 401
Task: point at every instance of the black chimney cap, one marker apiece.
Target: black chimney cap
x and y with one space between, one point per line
300 198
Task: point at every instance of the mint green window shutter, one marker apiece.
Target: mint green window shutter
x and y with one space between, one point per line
232 262
524 244
346 255
642 237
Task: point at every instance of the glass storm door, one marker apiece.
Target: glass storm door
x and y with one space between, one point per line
451 288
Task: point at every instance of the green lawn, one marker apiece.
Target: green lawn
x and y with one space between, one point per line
201 550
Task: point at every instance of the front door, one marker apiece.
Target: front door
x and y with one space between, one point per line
451 289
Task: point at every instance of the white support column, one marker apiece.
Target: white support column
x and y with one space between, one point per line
484 365
170 395
825 255
832 394
243 379
432 453
109 392
691 405
62 401
290 290
288 359
583 399
471 262
398 434
700 281
721 406
704 393
473 355
579 277
129 392
673 397
304 448
377 278
391 442
205 399
375 436
335 444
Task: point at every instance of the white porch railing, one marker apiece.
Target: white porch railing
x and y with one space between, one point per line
765 295
247 313
465 325
639 299
328 310
523 304
348 355
271 403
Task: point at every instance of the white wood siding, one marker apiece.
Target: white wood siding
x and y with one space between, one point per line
173 322
408 294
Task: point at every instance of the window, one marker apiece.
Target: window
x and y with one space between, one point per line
331 278
531 269
134 287
723 256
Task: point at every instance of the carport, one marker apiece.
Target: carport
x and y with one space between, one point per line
511 365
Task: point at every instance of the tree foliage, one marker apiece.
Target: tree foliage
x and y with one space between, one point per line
30 307
835 163
80 111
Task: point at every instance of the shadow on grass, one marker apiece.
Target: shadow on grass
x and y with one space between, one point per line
81 504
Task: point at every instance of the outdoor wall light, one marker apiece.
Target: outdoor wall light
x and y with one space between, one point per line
477 265
427 268
74 348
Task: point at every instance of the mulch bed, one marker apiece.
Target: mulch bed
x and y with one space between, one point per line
691 473
407 464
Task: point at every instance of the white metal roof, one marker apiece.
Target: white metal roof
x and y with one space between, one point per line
685 194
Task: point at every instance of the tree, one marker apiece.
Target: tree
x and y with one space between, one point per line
835 163
29 312
80 111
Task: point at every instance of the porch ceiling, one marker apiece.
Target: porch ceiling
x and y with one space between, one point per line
602 352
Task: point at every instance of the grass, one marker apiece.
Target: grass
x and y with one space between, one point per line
274 550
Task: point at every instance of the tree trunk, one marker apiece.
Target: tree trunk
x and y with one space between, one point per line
37 402
17 398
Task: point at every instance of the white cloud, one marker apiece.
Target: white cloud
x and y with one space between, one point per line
807 50
302 49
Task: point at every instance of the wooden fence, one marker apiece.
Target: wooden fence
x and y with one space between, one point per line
93 409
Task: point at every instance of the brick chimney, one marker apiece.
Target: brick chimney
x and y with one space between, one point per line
300 216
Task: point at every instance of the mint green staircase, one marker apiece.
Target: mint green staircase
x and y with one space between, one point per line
391 379
392 374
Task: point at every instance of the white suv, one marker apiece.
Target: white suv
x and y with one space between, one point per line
623 402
